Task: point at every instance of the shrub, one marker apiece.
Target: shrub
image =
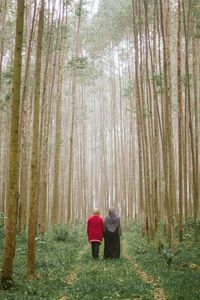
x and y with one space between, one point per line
60 233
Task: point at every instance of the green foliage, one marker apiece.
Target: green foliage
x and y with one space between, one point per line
7 97
128 94
59 140
5 86
196 12
89 73
158 79
68 2
167 253
54 260
104 279
107 279
177 272
60 233
78 63
197 35
78 10
146 113
64 233
128 91
74 233
117 15
191 225
7 76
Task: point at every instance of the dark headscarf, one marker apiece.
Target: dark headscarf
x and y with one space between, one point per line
112 221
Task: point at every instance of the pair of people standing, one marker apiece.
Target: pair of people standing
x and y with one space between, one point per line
110 229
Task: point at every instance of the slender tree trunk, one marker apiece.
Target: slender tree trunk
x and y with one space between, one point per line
196 123
23 137
139 126
13 185
45 125
71 154
191 130
55 208
180 113
35 151
168 149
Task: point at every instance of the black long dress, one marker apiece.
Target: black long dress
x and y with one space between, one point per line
112 243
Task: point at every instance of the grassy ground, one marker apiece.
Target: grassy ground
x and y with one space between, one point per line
65 270
179 281
107 279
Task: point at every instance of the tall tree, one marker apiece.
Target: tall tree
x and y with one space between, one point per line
75 59
13 185
180 123
35 150
25 108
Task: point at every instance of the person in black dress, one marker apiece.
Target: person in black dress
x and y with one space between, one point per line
112 233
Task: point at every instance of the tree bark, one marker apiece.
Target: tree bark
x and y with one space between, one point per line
13 185
35 151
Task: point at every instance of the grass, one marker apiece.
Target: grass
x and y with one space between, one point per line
107 279
64 267
181 280
53 263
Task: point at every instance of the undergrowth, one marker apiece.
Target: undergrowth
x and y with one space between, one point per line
65 252
54 260
107 279
180 279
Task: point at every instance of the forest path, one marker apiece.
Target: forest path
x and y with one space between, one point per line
66 270
110 279
159 294
72 276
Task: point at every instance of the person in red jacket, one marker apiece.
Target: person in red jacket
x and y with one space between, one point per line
95 231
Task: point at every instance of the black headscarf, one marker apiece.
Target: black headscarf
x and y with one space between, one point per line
112 221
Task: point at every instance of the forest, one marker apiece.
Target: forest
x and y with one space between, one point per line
99 108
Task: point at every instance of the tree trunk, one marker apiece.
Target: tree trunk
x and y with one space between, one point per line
180 113
35 151
71 154
13 185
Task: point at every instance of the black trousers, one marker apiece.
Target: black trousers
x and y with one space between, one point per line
95 249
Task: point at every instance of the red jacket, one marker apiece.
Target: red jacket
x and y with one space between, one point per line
95 228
